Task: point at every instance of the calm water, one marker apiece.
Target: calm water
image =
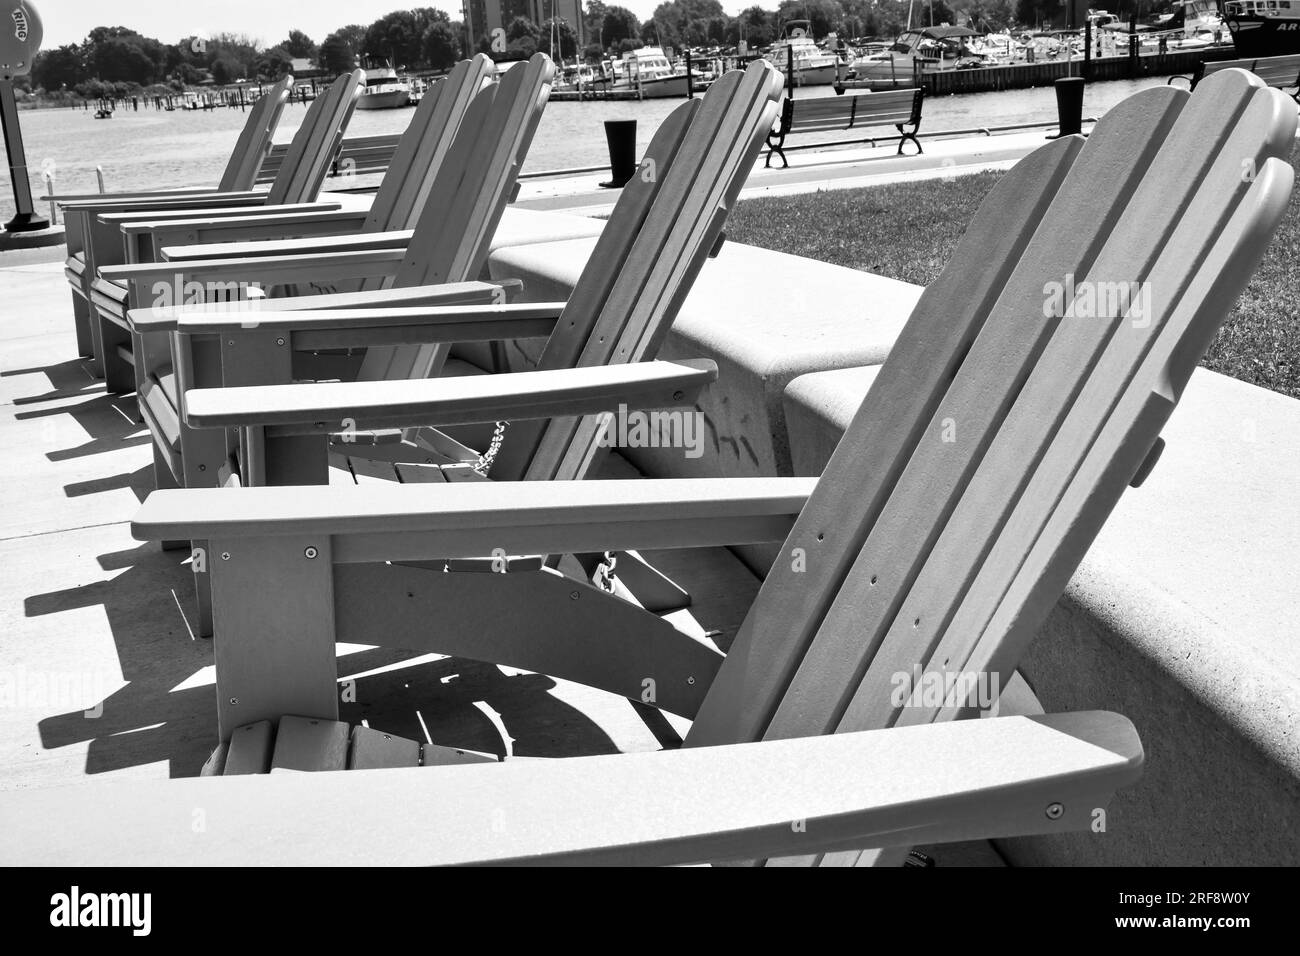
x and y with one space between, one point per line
150 149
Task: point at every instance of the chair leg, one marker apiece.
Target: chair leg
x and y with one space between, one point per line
274 650
163 478
119 374
200 556
81 322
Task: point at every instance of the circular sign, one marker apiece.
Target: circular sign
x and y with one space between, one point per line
20 38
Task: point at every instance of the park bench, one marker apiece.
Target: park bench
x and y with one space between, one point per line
1280 71
897 108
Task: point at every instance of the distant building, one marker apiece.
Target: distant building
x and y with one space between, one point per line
484 16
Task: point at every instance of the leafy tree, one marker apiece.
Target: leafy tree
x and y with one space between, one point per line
185 75
401 35
441 45
619 23
60 67
338 51
274 63
594 21
568 40
300 45
128 58
759 28
825 15
226 69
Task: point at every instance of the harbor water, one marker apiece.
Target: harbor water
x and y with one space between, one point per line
151 149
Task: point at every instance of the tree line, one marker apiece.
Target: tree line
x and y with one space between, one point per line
116 61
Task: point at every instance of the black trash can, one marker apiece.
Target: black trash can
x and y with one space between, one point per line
1069 105
621 136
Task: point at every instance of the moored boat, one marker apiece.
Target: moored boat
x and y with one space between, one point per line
648 72
812 65
384 91
1263 27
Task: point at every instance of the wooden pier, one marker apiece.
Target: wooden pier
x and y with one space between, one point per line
1026 75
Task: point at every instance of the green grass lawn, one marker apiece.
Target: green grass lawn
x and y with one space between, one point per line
907 231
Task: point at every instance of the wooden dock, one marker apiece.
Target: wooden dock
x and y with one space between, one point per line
1027 75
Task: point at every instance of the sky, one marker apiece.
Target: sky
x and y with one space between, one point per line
68 21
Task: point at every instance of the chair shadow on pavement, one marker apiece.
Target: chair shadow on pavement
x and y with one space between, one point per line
166 711
67 380
101 417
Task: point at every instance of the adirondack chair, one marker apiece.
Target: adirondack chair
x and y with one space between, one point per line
419 154
298 183
909 552
667 221
239 177
408 190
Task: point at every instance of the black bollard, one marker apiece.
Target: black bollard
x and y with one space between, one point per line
1069 105
621 136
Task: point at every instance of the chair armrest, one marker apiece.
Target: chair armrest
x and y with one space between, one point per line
469 518
153 219
161 204
267 271
368 327
123 196
326 407
224 315
294 236
260 223
962 780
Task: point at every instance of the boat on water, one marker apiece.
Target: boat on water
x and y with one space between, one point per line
384 90
901 64
648 71
812 65
1263 27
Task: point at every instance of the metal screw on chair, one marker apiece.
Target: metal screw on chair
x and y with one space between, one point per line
225 555
311 553
234 700
677 396
690 680
279 341
573 595
203 467
1055 811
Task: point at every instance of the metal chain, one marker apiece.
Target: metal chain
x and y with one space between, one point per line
604 576
484 463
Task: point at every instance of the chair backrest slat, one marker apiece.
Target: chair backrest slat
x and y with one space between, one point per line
1072 234
466 200
1212 250
1124 440
1186 196
628 296
312 151
583 308
254 141
696 226
423 147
